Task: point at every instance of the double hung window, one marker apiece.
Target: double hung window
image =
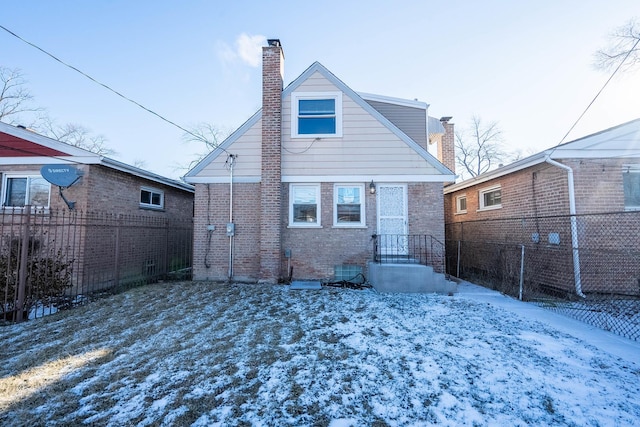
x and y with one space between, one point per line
316 115
461 204
348 208
304 205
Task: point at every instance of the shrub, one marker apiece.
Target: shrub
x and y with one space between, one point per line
48 277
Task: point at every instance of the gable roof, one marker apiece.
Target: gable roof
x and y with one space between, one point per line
621 141
22 146
319 68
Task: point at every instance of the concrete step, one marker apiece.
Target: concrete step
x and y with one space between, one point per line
408 278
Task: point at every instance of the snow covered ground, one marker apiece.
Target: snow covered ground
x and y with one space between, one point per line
230 355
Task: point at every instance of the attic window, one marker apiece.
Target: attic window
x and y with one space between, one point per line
316 115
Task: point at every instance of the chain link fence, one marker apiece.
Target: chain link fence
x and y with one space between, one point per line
54 260
586 266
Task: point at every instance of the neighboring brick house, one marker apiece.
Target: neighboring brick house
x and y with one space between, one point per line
108 193
310 177
597 174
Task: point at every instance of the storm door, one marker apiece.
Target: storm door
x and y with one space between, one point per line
392 219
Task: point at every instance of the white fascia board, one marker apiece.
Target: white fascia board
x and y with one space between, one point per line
141 173
396 101
497 173
324 178
46 160
368 178
595 154
221 179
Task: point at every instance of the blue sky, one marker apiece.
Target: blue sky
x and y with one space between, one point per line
524 64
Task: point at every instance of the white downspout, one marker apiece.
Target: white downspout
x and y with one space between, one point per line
231 160
574 224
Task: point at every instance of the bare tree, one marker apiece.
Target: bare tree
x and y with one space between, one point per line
76 135
479 148
206 135
624 48
15 98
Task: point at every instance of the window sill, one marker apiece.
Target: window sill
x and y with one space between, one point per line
460 213
360 226
152 208
304 226
21 210
316 136
490 208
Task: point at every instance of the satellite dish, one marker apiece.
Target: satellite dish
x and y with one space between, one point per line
60 175
63 176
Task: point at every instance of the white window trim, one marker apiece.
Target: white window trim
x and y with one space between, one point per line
318 223
481 194
296 96
363 220
3 196
458 198
150 205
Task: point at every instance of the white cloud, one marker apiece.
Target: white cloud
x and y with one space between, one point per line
248 50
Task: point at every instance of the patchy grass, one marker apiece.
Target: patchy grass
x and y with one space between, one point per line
213 354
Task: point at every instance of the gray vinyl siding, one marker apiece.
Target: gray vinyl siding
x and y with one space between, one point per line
412 121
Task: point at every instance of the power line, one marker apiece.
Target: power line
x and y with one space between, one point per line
102 84
600 91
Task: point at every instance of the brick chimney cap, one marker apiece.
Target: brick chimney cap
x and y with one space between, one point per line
446 119
274 42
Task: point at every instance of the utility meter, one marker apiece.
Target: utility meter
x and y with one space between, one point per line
231 229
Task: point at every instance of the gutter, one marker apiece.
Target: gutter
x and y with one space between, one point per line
574 223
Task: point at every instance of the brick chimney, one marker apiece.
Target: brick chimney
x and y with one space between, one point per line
446 149
270 184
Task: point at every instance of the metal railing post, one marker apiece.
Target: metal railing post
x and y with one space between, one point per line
458 261
22 272
521 272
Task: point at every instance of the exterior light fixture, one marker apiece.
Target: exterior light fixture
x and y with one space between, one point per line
372 188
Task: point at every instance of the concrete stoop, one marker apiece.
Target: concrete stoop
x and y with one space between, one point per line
408 278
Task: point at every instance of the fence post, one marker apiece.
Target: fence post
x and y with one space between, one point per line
521 272
22 271
458 262
117 251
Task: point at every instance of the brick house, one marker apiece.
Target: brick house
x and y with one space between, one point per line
108 194
309 178
575 186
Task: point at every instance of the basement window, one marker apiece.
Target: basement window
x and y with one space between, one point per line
316 114
304 205
490 198
151 198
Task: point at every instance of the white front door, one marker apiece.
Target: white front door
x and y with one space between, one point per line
392 218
